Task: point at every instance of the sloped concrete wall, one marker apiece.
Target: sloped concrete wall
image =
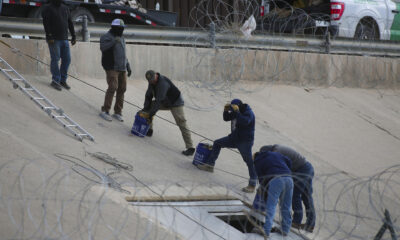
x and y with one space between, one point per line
184 63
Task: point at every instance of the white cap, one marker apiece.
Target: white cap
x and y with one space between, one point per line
118 22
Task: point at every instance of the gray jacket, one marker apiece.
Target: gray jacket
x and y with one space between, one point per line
113 53
297 159
166 95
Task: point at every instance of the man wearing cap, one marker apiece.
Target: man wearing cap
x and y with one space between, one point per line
56 22
166 97
303 173
242 137
116 65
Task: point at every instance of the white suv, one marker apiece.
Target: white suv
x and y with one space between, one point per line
366 19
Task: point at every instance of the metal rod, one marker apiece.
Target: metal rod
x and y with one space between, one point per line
85 31
196 37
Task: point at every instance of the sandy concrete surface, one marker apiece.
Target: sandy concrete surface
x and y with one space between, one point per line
47 176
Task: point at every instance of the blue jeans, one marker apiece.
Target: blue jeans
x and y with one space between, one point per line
279 188
244 148
302 192
59 49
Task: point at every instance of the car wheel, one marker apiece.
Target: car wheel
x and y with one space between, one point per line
78 13
366 30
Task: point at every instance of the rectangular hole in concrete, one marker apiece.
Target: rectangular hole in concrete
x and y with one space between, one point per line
239 221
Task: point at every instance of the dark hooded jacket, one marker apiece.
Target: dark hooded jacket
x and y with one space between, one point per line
165 93
269 165
243 123
57 21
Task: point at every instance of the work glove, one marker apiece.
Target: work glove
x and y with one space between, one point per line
50 41
235 107
227 107
73 40
128 69
146 116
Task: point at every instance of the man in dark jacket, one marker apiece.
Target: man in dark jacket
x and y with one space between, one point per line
303 173
242 137
276 184
56 22
116 65
166 97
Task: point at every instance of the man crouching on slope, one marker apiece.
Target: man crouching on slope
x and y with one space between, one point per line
167 97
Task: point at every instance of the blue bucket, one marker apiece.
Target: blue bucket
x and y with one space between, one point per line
259 203
140 126
202 152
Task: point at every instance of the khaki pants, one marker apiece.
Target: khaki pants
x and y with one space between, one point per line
179 116
116 83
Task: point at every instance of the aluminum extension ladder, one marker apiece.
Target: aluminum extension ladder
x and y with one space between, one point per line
44 103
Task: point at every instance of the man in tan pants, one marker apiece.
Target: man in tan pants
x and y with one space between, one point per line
167 97
116 65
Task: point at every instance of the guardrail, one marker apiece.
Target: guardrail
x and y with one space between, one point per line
199 38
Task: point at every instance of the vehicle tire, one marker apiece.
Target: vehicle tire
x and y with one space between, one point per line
35 13
367 30
78 13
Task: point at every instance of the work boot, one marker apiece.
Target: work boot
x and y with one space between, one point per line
188 152
65 85
118 117
106 116
55 85
279 231
249 189
258 230
297 226
205 167
309 229
149 132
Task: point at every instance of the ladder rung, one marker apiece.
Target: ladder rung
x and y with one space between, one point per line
35 95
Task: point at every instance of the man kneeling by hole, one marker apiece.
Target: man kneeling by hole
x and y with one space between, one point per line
166 97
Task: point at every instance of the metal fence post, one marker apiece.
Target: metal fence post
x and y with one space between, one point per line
85 31
212 35
328 42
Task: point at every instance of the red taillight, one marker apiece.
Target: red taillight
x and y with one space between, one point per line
337 9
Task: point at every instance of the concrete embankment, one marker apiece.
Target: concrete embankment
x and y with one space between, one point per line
50 182
232 65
